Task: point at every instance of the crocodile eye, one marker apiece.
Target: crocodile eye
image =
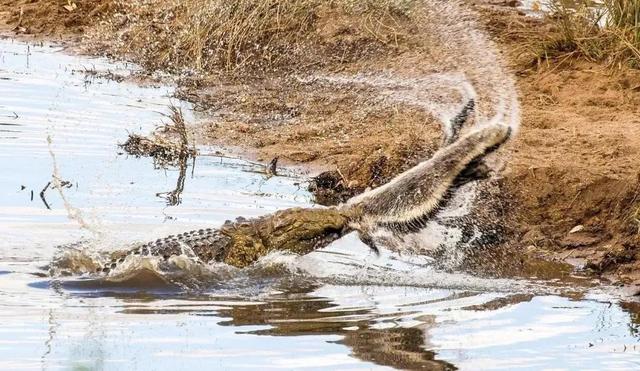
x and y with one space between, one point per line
106 270
113 265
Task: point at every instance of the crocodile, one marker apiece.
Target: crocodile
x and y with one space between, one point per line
405 203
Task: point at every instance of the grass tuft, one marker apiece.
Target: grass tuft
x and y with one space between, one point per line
607 31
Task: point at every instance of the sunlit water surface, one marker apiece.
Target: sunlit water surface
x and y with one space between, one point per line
340 308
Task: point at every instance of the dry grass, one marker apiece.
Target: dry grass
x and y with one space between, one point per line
624 14
608 31
206 35
636 218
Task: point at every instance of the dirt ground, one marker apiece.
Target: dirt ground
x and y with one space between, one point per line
573 177
574 172
51 18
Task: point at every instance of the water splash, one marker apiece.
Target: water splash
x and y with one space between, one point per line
345 262
73 213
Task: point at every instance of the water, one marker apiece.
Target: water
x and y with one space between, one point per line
340 308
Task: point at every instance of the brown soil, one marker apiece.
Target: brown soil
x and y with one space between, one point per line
339 128
51 18
574 172
573 176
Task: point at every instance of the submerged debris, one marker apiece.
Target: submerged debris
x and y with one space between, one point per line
168 145
164 151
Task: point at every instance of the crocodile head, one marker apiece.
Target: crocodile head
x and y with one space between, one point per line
297 230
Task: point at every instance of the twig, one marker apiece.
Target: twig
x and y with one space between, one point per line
44 200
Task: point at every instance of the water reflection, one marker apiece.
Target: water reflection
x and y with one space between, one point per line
399 347
173 197
406 328
633 308
300 313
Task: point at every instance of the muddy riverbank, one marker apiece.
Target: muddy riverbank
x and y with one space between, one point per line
571 179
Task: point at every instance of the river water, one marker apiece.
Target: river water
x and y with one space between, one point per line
339 308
